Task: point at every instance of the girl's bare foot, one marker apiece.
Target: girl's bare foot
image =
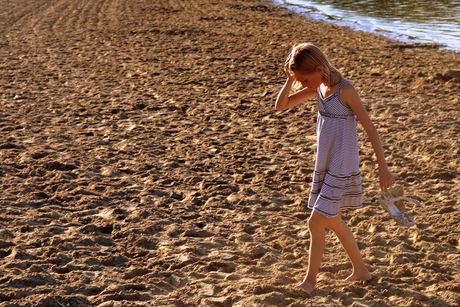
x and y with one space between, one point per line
359 276
305 286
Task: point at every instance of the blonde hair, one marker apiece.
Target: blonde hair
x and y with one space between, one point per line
305 58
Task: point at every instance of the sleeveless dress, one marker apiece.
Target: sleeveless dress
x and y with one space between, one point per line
337 182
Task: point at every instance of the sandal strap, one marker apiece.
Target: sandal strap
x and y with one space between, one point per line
406 199
389 197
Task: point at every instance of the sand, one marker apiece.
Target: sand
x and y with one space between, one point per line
143 163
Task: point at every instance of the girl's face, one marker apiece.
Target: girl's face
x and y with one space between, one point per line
313 79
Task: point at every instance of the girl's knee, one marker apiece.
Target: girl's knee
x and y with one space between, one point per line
334 223
310 222
316 221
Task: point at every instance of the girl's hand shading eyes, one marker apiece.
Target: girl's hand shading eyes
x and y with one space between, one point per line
287 70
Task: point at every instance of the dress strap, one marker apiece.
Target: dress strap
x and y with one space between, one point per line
341 83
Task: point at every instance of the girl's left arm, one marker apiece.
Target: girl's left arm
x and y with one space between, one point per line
350 97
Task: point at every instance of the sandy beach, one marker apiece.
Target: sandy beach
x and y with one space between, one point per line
143 163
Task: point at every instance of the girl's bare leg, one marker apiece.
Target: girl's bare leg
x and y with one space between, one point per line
343 232
317 227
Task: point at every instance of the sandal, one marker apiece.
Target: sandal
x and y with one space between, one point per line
389 200
398 190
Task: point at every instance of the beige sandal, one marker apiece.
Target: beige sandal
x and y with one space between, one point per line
398 190
393 202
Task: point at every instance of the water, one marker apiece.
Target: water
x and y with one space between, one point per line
412 21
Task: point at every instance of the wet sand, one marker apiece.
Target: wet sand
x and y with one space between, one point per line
143 163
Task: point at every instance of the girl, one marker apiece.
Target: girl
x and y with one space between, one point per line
336 179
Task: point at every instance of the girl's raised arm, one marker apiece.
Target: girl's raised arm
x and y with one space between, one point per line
284 100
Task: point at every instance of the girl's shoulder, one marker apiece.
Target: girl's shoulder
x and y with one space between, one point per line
347 91
345 82
346 85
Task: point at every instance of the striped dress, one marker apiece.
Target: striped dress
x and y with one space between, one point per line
336 179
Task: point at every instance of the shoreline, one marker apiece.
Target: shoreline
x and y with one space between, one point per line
143 162
379 26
